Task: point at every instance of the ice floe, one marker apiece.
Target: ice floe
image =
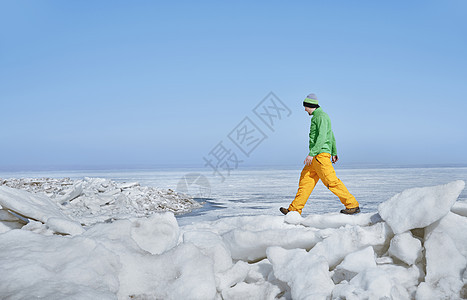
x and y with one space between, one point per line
88 200
419 207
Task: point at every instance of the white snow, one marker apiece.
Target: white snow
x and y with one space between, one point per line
455 227
64 225
327 256
306 274
38 207
251 245
337 243
333 220
354 263
444 268
34 206
89 200
56 267
157 233
419 207
406 248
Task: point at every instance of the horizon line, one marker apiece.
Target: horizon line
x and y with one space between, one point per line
154 167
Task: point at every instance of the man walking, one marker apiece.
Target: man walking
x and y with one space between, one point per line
318 162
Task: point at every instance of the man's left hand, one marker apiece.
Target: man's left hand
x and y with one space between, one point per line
308 160
334 159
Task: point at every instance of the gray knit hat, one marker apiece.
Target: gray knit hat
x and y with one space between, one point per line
311 100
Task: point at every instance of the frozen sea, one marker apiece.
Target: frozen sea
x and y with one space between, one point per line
261 191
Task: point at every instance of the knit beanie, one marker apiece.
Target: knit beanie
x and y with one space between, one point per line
311 101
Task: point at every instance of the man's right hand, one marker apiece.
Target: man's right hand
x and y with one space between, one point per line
308 160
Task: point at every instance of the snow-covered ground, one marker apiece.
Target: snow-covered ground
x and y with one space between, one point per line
412 244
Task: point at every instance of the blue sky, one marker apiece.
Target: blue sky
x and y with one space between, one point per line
152 83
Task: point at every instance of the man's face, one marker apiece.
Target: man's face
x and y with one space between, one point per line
309 110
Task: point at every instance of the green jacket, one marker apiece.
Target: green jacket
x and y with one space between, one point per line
321 135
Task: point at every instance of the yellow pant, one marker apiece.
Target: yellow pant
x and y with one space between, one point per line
321 168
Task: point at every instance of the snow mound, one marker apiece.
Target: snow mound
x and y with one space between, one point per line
88 201
250 257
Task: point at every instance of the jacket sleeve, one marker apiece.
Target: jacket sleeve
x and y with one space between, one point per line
321 128
333 145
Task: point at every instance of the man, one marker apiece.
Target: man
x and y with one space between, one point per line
318 162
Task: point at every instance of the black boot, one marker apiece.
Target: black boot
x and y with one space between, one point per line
284 210
351 211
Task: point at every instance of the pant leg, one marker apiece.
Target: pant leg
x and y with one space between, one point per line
308 180
323 166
